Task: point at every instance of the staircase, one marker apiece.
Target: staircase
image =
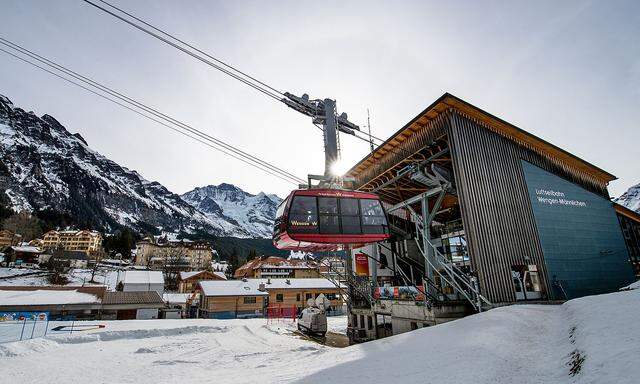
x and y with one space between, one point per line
463 284
360 286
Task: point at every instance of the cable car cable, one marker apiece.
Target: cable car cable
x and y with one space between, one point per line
187 44
204 60
261 87
146 108
257 165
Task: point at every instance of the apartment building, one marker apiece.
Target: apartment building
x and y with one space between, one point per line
277 268
86 241
189 255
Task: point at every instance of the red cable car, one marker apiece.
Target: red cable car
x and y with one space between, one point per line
328 220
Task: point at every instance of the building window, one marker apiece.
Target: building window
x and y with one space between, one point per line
308 296
250 300
369 322
279 297
297 297
361 325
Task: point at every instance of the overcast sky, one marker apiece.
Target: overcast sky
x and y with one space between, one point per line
566 71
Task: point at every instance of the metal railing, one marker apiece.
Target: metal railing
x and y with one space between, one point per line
447 270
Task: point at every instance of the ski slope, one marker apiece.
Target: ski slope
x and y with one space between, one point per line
596 336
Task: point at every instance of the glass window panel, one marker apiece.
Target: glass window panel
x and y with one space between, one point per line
281 207
329 224
328 205
351 225
371 207
374 220
303 205
373 229
348 206
303 223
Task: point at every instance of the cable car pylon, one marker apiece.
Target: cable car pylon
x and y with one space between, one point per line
324 112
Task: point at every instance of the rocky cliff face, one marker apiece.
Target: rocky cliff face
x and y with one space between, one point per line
45 167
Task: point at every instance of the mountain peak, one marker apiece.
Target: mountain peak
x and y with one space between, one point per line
227 204
631 198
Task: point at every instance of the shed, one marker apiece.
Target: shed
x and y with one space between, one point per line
131 305
231 299
79 302
141 281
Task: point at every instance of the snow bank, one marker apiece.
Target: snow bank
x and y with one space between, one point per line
635 285
594 339
589 340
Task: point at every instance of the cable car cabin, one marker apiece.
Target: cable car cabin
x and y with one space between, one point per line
329 219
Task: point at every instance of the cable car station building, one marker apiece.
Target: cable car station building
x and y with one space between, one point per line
484 214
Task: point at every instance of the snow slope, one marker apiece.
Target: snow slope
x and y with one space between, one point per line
517 344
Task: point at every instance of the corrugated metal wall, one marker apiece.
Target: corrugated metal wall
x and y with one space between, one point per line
495 205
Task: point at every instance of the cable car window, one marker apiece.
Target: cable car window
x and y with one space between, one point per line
328 205
373 219
351 225
281 207
371 207
329 224
303 205
349 215
303 216
349 207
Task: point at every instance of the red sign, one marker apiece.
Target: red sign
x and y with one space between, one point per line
362 264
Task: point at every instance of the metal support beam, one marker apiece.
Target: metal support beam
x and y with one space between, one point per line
330 126
426 237
415 199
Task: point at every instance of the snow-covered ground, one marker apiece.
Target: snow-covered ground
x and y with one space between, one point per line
596 336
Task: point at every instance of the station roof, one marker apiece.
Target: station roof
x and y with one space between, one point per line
251 287
624 211
447 101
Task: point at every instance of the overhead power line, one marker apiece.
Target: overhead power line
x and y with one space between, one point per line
158 117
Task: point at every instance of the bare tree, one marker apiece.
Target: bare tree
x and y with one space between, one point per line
175 261
58 268
25 224
97 259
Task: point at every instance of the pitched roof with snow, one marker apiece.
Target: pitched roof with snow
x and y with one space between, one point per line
175 298
315 283
273 262
231 288
46 297
187 275
249 287
143 277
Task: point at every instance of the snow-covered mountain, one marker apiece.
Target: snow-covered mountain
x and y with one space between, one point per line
44 167
631 198
230 204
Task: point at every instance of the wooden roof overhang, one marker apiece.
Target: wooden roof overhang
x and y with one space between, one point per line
423 137
626 212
